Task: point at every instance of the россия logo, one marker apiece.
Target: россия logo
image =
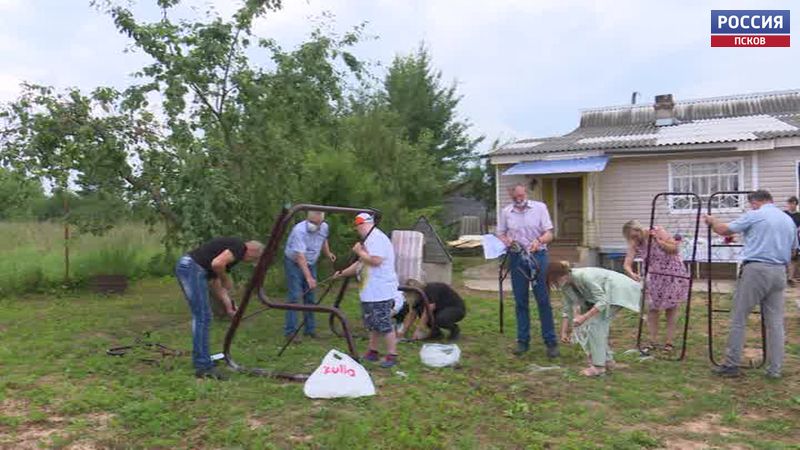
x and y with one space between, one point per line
750 28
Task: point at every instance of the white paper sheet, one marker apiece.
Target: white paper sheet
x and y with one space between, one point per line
493 247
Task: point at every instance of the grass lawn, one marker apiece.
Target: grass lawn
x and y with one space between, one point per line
60 390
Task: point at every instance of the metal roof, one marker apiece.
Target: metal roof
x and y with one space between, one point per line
736 118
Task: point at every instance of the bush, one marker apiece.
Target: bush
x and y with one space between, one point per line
113 259
33 256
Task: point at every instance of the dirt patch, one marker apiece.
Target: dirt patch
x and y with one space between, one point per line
101 420
256 423
35 435
32 436
301 438
752 354
752 416
708 424
683 444
11 407
82 446
49 379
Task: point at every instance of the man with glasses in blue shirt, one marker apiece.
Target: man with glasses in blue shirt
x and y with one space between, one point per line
306 241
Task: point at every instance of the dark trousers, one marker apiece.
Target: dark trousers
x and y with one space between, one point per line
448 319
523 277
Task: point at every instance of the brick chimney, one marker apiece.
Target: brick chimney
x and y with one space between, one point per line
665 110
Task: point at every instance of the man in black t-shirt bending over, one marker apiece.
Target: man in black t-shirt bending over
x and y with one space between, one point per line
446 307
207 267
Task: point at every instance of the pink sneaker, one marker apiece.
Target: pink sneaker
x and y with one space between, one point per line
389 361
372 356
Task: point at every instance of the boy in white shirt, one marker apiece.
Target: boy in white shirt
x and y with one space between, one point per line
377 288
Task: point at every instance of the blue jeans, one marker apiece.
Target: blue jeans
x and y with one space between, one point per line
296 283
194 284
520 272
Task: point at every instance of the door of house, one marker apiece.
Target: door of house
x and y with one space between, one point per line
569 210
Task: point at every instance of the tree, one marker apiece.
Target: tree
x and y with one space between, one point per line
211 142
45 136
18 195
428 112
236 133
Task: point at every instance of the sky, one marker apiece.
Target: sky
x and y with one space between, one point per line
525 68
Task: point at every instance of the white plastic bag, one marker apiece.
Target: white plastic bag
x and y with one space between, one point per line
440 355
339 375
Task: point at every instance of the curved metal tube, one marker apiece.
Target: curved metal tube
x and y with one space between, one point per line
710 302
255 285
336 303
426 302
687 314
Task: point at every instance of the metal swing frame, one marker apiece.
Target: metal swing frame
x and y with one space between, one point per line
710 301
642 300
502 273
256 287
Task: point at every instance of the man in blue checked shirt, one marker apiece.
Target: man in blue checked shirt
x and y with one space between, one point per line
306 241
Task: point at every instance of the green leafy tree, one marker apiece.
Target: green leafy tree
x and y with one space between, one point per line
427 110
238 133
19 195
480 179
45 136
212 139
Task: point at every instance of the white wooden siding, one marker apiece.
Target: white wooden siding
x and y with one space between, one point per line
778 172
626 190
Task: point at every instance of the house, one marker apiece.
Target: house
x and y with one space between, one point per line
608 170
437 264
464 212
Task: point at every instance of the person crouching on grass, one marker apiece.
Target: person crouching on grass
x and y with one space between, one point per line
377 288
592 297
206 267
445 309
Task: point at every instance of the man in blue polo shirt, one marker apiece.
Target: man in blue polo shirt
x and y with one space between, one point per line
306 241
769 237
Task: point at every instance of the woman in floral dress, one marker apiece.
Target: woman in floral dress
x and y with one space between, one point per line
667 284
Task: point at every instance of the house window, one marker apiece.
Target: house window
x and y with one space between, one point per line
705 178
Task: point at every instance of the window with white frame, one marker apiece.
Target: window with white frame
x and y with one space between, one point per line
705 178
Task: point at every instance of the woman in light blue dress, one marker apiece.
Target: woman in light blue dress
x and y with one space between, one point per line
592 297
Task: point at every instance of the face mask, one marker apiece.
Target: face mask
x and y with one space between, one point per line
520 203
311 227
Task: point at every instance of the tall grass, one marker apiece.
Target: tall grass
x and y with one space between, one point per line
33 255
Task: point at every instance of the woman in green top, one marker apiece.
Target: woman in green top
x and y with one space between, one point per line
592 297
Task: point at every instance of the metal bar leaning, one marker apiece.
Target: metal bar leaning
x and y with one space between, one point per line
642 302
502 273
710 301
